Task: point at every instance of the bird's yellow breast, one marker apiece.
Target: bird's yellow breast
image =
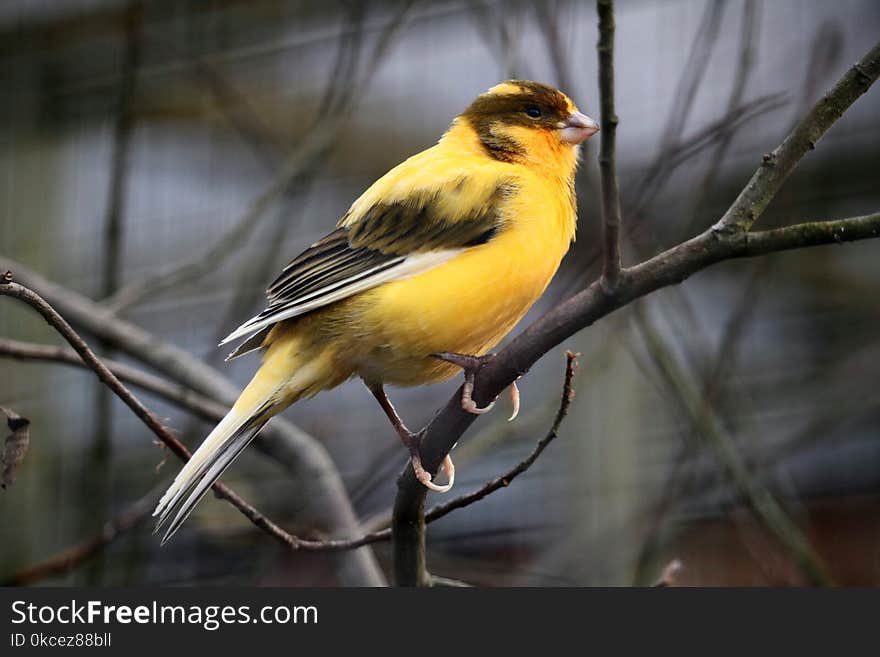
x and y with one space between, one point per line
468 304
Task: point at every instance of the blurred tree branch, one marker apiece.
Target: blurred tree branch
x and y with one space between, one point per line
730 238
302 456
708 426
343 96
96 478
11 289
138 511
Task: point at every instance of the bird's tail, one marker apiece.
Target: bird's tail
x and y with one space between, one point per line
271 390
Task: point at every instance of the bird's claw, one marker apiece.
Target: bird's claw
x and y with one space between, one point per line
514 399
467 400
471 365
425 477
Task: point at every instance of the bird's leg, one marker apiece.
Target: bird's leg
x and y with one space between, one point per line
412 442
471 365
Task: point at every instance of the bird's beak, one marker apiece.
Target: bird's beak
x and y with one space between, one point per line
577 128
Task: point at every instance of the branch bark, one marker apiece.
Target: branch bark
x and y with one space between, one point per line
778 164
607 159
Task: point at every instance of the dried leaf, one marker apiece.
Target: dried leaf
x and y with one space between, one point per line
15 447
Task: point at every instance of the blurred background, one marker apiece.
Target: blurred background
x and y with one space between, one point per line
167 158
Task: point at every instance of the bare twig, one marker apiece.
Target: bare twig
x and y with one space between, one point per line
448 582
607 164
684 149
778 164
96 477
683 98
124 123
302 159
56 321
179 395
301 455
314 147
707 424
749 33
686 90
548 17
409 537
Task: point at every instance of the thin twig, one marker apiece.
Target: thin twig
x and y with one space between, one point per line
313 148
179 395
607 163
409 536
96 476
749 38
778 164
683 98
685 149
306 460
707 424
56 321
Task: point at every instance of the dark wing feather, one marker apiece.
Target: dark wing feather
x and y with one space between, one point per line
369 250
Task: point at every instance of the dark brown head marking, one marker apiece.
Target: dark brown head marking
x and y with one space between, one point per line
515 103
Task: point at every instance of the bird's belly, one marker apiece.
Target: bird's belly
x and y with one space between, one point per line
466 305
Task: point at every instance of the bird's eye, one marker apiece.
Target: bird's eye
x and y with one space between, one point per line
533 112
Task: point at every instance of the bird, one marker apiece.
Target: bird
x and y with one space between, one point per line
428 270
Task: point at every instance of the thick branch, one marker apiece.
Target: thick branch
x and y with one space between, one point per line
607 163
668 268
409 535
777 165
504 480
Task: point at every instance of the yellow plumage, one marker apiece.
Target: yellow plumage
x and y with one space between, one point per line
510 182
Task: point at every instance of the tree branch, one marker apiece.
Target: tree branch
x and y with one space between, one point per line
726 240
302 456
607 163
56 321
593 303
201 406
210 410
504 480
708 426
778 164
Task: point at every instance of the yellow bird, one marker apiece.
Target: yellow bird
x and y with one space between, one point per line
427 271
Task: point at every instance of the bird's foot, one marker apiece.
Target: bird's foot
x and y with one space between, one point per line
424 476
413 440
471 366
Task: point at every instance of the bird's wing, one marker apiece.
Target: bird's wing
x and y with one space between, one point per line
384 237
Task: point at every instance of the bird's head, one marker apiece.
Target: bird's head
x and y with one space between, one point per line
519 120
